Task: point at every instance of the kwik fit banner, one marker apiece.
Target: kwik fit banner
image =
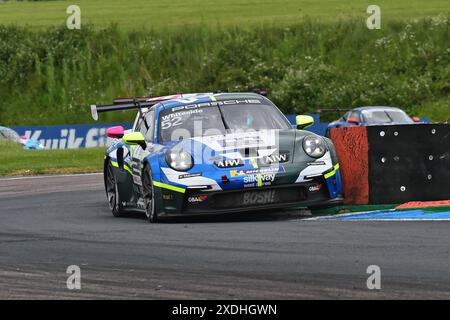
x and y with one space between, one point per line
69 136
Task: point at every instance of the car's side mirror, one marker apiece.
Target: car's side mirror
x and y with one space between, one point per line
353 120
304 122
115 132
135 138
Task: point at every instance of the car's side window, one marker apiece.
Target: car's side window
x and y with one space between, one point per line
136 122
345 116
143 128
355 115
362 117
139 124
150 119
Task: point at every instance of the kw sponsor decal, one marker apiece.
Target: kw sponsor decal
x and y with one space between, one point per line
316 187
229 163
197 199
261 197
276 158
189 175
268 170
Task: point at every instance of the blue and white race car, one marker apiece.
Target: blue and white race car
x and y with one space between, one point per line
28 144
215 153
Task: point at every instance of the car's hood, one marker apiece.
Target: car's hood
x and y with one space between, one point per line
270 145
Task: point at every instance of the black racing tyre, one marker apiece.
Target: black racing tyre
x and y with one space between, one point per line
149 195
112 191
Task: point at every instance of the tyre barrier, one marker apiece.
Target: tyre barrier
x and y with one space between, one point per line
394 164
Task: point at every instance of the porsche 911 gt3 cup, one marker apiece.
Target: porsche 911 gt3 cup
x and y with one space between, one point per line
215 153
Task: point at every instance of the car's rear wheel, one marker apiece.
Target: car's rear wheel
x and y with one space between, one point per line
149 195
112 191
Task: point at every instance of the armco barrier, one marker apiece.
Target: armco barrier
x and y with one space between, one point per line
70 136
394 164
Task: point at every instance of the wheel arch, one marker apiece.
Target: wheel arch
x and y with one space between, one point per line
153 162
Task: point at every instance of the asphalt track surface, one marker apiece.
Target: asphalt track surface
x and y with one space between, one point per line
49 223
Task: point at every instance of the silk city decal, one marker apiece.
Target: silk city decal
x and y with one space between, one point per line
69 137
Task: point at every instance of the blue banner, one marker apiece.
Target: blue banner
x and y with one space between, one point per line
70 136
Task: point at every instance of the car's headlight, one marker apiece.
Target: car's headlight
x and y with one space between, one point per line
314 146
179 160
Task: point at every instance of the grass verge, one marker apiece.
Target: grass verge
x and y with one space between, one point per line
18 162
169 14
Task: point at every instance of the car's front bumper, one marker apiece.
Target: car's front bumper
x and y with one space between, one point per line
196 201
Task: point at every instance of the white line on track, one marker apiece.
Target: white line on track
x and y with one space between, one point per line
53 176
376 220
343 215
331 217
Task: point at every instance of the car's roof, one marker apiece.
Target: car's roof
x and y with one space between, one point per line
376 108
195 98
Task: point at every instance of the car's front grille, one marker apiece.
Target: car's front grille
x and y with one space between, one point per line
250 198
246 198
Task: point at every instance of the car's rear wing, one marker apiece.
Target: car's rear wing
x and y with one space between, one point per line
96 109
145 102
139 103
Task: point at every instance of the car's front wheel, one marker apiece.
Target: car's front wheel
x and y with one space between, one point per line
149 195
112 191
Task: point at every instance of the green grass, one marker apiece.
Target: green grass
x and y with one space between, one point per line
439 110
18 162
51 76
163 14
308 54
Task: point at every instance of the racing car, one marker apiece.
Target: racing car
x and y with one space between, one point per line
215 153
371 116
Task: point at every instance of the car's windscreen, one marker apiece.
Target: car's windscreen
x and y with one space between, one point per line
9 135
215 118
386 116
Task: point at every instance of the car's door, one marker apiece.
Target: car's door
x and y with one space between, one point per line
147 127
